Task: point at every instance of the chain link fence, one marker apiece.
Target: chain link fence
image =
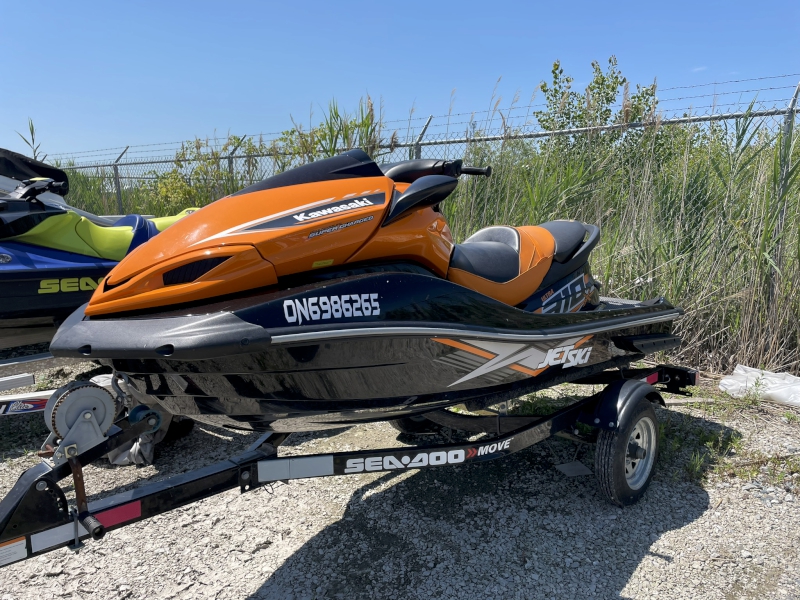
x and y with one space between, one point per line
701 205
121 187
160 178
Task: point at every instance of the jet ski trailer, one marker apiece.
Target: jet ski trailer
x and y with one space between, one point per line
36 518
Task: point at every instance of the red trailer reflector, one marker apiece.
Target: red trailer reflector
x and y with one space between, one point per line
120 514
652 378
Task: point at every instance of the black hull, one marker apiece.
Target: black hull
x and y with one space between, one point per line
250 362
34 303
240 407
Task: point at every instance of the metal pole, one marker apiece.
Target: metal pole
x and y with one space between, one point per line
116 181
788 128
785 153
788 121
418 143
230 156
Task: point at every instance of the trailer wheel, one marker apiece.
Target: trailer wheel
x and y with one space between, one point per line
624 459
415 425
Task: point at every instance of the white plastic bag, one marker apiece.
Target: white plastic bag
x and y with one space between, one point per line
777 387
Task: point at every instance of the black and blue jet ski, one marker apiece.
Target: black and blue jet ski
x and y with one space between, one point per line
53 255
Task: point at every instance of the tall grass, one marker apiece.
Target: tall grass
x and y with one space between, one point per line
706 215
690 213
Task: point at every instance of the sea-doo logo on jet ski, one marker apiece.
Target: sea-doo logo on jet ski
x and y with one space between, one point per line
568 356
339 227
389 463
70 284
325 212
331 307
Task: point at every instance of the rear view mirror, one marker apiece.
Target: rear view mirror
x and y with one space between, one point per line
425 191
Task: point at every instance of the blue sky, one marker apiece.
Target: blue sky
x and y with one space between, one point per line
97 75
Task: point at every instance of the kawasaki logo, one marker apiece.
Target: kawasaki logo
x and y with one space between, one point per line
333 210
317 211
568 356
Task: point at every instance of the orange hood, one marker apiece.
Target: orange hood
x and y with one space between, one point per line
246 241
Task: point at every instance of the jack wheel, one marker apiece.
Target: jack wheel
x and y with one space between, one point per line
624 459
415 425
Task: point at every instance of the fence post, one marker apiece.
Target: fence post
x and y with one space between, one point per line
116 181
232 152
417 144
786 167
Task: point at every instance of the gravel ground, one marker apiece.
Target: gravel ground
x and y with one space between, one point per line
514 528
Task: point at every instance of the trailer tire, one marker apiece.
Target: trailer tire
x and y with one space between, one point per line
415 425
623 479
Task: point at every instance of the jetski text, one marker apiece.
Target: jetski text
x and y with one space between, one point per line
568 356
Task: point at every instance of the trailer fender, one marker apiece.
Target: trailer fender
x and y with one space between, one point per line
616 402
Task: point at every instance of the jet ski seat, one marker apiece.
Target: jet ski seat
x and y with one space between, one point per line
142 229
505 263
71 232
491 253
568 235
509 264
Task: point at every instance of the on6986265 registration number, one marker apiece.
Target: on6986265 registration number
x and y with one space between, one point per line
331 307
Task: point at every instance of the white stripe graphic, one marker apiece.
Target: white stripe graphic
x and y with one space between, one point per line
278 469
239 228
358 332
53 537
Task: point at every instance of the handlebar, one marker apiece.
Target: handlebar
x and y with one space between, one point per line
455 168
31 188
485 171
409 171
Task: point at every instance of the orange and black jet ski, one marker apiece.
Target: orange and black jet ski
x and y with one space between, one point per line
334 293
330 295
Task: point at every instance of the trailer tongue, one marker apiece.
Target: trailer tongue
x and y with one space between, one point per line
35 516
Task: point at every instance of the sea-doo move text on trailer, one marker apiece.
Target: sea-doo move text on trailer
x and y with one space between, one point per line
333 294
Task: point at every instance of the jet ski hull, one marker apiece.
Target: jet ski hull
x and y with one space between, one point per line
287 360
